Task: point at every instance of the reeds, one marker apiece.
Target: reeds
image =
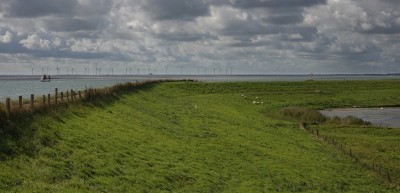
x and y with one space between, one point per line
314 116
349 120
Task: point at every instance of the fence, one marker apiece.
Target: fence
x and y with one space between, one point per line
71 95
377 168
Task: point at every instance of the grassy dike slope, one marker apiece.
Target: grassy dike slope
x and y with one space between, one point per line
189 137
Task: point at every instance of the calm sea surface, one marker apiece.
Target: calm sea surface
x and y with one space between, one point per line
13 86
385 117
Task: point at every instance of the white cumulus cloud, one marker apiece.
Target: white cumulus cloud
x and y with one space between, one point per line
7 37
34 42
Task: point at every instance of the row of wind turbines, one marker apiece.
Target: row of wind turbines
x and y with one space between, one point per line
87 70
97 71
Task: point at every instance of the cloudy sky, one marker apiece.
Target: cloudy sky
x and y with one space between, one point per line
248 36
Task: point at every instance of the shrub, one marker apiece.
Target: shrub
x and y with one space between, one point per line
299 114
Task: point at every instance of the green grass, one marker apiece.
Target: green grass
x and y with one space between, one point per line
369 145
190 137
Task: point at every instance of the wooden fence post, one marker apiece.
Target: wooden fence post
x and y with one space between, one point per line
62 96
48 99
379 172
85 93
350 152
72 95
44 100
8 106
67 96
20 101
56 95
32 101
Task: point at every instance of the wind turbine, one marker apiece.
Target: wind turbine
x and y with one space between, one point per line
214 71
181 69
205 71
166 70
72 71
231 69
57 69
138 71
88 71
198 71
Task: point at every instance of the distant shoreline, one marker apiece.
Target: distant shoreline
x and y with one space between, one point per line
199 77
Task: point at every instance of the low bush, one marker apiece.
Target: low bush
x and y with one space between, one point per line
306 115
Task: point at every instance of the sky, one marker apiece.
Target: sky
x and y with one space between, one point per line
199 36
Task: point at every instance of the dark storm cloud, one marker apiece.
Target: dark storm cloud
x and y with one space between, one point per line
85 34
94 8
276 3
37 8
71 24
175 9
382 30
180 37
184 36
285 19
255 28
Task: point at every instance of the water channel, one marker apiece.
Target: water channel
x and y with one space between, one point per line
385 117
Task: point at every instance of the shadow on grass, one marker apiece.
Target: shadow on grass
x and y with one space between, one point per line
19 135
25 132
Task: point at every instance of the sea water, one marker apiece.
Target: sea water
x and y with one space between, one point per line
14 86
385 117
24 88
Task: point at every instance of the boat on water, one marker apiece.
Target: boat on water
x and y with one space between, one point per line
44 78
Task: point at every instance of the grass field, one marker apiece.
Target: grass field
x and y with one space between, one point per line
199 137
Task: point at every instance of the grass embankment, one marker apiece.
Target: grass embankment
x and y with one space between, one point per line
189 137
